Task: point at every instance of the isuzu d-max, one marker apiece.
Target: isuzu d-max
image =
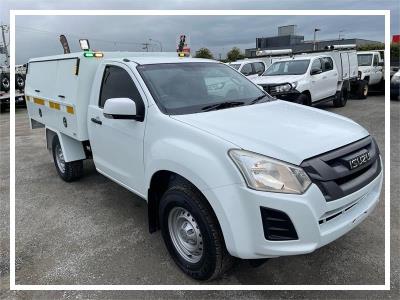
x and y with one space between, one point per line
227 170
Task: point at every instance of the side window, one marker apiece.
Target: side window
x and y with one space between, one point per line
327 64
117 83
316 65
376 60
258 68
247 69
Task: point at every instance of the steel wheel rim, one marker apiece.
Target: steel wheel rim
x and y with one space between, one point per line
365 90
6 83
20 81
185 234
60 159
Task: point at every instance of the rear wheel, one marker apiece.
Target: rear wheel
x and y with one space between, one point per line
191 232
341 98
19 82
4 82
68 171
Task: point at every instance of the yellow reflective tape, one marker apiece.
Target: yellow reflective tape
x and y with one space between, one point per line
26 98
38 101
70 110
54 105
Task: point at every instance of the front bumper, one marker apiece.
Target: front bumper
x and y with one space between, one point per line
316 221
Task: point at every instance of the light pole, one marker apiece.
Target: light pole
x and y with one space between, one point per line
151 40
315 37
340 35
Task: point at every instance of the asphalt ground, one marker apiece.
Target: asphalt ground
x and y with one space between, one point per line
95 232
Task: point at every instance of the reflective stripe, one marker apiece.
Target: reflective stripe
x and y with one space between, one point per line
54 105
38 101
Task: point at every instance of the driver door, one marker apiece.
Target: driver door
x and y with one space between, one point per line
317 84
117 144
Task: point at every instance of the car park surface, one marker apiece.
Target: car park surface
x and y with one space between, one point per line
95 232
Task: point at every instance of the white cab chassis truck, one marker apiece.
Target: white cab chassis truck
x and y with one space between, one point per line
312 78
224 173
370 71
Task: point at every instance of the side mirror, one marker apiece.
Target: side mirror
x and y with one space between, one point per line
381 64
315 71
121 108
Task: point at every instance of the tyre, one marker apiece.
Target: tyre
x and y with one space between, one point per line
362 89
4 82
341 98
2 107
191 232
19 82
303 99
68 171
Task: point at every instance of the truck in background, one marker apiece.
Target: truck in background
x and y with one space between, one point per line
371 70
311 78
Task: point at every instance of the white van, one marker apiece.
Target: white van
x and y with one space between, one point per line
224 173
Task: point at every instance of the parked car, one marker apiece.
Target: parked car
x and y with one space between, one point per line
227 170
251 68
311 78
395 86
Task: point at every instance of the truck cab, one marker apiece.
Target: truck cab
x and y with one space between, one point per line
251 68
370 67
223 172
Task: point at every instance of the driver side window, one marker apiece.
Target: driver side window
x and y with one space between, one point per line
247 69
316 65
117 83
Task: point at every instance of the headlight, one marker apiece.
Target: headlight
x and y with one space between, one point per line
294 84
266 174
283 88
395 79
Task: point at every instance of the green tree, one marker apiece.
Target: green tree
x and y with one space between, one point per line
234 54
204 53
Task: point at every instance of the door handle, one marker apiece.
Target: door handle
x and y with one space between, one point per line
96 120
324 77
37 91
61 96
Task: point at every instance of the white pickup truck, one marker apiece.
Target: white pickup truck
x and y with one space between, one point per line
312 78
227 170
370 69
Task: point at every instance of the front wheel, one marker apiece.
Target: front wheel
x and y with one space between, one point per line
191 232
303 99
68 171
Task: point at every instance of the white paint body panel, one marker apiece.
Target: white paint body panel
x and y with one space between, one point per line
196 146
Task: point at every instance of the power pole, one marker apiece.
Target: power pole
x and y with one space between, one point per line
4 29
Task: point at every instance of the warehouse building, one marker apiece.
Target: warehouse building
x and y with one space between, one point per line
288 38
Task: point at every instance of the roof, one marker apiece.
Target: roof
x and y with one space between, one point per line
163 60
246 61
139 57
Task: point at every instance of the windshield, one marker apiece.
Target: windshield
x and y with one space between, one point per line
184 88
364 59
235 66
289 67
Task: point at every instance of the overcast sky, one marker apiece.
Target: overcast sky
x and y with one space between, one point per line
38 35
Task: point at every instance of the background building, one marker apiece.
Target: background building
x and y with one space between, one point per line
288 38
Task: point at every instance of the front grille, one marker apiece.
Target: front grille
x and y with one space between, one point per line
277 225
269 88
332 173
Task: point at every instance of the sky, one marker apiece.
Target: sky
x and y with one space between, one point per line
39 36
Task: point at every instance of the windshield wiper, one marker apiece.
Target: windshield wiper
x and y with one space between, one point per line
222 105
258 99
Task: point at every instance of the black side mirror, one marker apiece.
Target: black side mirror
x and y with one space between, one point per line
316 71
381 64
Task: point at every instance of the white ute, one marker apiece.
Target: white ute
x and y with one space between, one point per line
227 170
312 78
370 70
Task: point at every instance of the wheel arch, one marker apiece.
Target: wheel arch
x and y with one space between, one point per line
72 149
